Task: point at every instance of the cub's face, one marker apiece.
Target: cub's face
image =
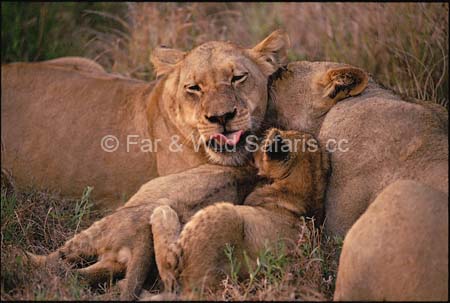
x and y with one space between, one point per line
283 152
217 93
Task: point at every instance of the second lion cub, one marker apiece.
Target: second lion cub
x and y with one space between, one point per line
193 257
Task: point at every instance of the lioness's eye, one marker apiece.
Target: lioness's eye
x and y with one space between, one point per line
193 88
239 78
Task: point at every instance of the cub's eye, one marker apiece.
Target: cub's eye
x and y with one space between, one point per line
239 78
193 88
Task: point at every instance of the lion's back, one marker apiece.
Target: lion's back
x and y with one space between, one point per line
54 118
382 138
77 63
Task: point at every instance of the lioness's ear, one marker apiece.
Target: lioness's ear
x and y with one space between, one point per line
271 53
164 59
342 82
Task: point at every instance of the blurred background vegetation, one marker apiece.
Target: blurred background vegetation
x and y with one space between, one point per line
404 45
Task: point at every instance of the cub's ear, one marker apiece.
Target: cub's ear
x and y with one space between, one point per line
164 59
271 53
342 82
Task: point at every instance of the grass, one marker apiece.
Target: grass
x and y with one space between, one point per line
40 222
82 208
306 271
41 31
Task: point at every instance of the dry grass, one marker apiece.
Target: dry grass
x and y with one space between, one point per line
40 222
404 45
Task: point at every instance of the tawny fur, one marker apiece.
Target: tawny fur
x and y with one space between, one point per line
398 249
303 93
77 63
382 137
122 242
193 258
55 114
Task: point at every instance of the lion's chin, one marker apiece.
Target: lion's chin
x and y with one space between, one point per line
236 158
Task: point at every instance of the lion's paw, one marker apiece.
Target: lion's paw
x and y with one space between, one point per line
164 219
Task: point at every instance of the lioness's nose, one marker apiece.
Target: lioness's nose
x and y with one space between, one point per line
222 119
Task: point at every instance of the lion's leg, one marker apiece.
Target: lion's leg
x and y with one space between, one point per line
203 242
138 267
101 271
75 250
166 229
42 260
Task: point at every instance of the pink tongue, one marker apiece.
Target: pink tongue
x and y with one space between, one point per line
230 139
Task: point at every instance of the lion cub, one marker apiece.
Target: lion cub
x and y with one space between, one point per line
194 258
120 244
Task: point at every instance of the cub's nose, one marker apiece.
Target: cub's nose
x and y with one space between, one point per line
222 119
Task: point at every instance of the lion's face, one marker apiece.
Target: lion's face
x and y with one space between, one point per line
217 93
282 151
318 87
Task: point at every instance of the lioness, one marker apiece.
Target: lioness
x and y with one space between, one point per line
67 124
65 129
374 138
195 256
